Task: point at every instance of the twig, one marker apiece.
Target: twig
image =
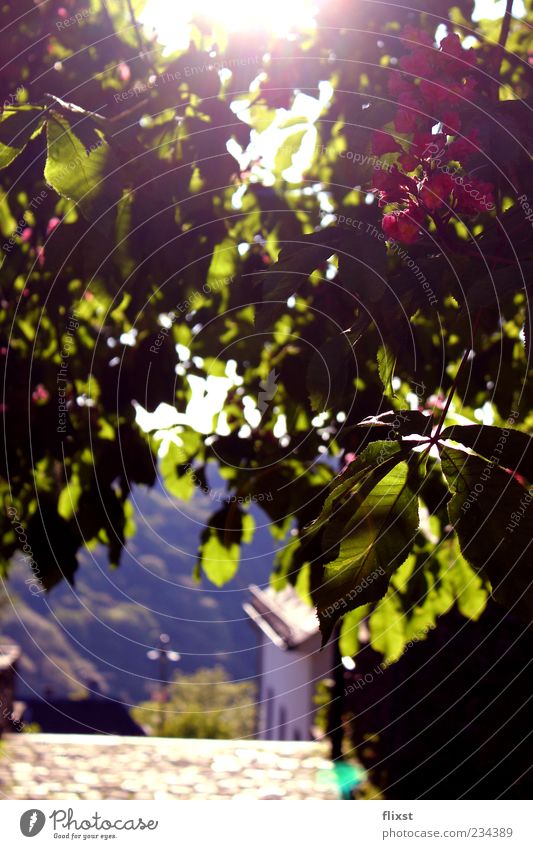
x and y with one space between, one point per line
502 41
72 107
497 259
451 393
440 424
143 52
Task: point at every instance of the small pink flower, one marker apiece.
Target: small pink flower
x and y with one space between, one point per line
402 226
436 191
40 394
124 71
348 458
52 224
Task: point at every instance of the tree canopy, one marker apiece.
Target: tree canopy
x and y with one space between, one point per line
202 705
298 264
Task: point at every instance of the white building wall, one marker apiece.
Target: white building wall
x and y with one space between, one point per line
288 684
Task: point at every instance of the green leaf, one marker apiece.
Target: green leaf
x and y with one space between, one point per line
53 543
221 542
489 511
248 527
468 588
510 449
177 474
497 284
426 586
302 584
386 366
17 126
287 149
376 458
78 174
369 523
363 264
262 116
219 562
349 632
296 262
330 367
362 269
387 628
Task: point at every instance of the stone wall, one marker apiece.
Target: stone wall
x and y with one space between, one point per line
90 766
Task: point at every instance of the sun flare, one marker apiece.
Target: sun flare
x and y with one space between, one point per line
172 22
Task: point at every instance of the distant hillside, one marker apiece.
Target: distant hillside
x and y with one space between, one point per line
101 629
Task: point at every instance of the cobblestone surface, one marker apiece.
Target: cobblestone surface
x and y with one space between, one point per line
59 766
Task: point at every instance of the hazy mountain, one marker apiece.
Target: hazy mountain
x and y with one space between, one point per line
101 629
